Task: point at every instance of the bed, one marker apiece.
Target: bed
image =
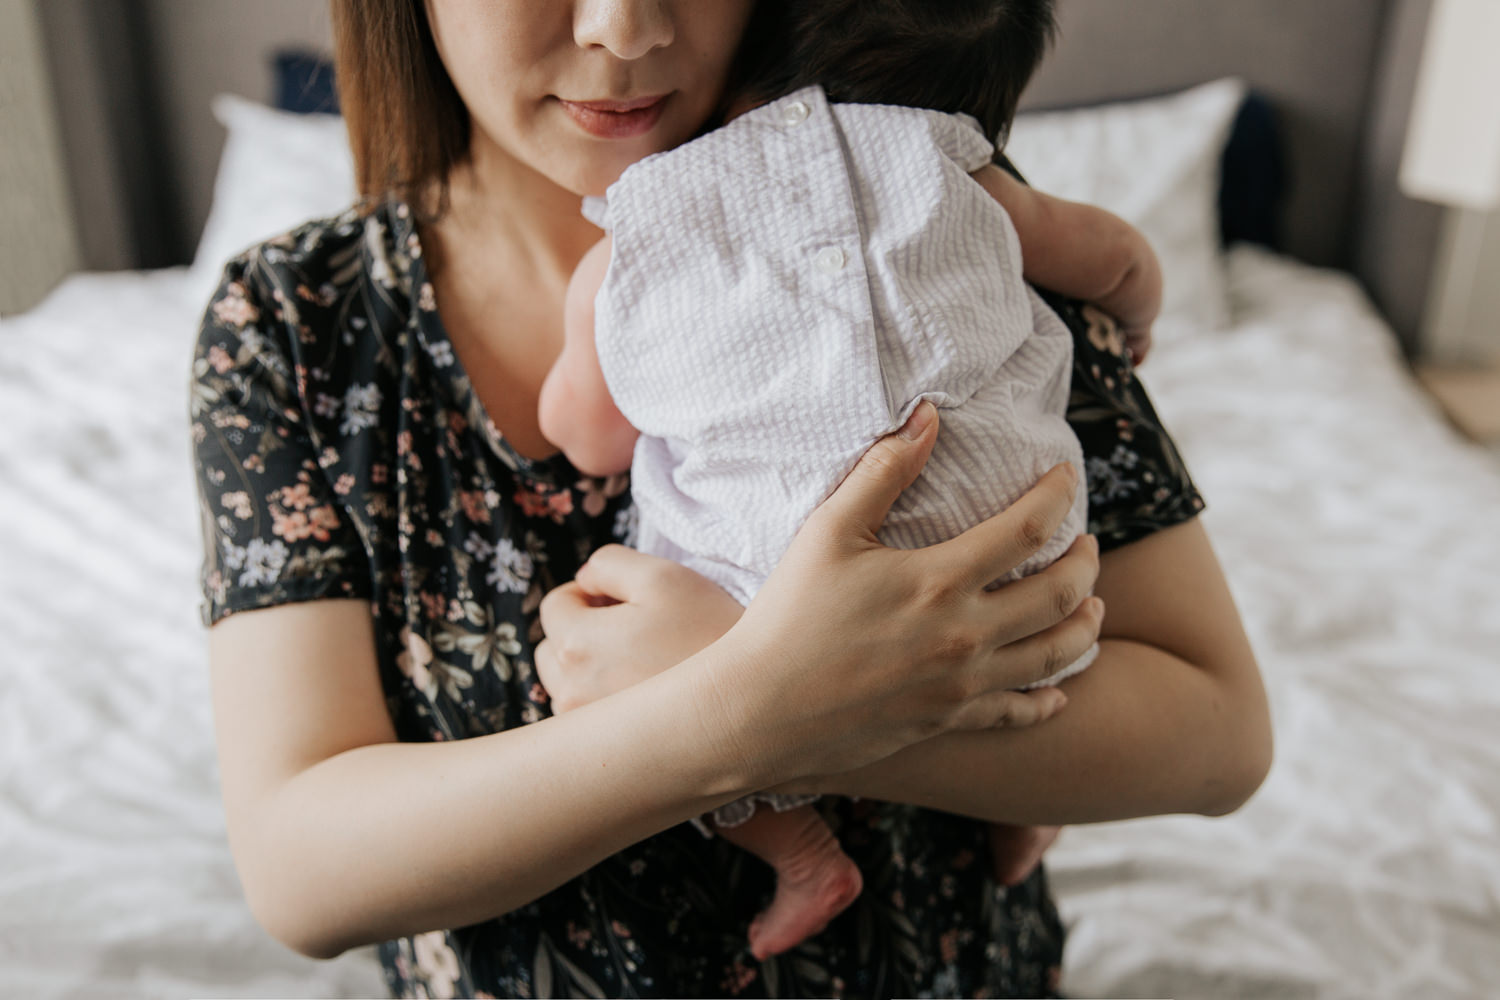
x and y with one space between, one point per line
1348 515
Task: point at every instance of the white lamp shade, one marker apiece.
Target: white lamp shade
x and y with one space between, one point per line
1452 152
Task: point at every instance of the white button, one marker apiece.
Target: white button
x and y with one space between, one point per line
830 260
795 113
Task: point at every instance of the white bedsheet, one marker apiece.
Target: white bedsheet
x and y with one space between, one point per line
1349 518
1357 533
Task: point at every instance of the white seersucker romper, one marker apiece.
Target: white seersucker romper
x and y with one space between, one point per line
782 292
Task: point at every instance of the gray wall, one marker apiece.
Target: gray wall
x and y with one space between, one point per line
37 239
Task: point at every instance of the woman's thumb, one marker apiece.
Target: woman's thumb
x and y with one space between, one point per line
888 467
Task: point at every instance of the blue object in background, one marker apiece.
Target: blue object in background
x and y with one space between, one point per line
1253 188
304 83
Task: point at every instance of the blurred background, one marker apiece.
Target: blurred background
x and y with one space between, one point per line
1320 178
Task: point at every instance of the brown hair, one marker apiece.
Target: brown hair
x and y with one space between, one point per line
407 125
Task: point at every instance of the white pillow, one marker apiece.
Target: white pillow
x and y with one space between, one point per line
1156 163
277 171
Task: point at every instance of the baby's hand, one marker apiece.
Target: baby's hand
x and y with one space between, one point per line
625 617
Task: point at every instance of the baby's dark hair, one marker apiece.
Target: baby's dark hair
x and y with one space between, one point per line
974 56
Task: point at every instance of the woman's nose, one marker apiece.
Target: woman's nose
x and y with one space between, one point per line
627 28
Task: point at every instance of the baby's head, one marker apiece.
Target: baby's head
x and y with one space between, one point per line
974 56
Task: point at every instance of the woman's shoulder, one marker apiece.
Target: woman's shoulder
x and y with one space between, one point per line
321 289
288 276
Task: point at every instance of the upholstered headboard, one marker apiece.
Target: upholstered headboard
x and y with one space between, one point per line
1337 75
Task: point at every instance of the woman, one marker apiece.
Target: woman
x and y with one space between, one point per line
383 520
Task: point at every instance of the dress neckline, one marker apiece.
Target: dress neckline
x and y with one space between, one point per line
554 469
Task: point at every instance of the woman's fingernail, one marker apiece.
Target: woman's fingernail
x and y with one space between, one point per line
918 421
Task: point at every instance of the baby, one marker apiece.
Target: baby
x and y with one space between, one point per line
780 292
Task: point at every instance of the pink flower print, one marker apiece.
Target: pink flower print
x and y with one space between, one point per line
737 977
620 929
437 963
293 527
220 359
948 944
325 520
434 605
413 661
298 497
238 504
475 508
344 484
536 500
580 936
234 309
597 492
539 695
379 472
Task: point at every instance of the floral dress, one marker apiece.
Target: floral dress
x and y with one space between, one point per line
341 452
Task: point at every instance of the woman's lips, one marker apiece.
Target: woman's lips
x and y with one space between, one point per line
616 119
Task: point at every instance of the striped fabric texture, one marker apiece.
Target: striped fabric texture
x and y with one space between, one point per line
783 291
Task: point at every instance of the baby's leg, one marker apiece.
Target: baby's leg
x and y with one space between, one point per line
1016 850
815 879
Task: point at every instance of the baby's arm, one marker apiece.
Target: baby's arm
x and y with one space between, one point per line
1083 252
575 409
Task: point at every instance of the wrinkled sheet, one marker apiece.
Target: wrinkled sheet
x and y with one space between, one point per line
1349 519
1358 534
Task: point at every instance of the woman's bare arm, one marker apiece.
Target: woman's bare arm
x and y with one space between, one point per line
1171 717
343 836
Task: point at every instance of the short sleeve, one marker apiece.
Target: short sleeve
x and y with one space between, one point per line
1137 480
273 530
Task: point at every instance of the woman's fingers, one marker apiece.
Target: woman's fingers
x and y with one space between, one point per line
1039 656
1027 606
1011 709
888 467
999 544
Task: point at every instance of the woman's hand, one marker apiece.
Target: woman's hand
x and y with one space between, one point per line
852 650
624 617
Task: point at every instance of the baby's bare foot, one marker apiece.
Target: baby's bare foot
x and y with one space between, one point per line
812 888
